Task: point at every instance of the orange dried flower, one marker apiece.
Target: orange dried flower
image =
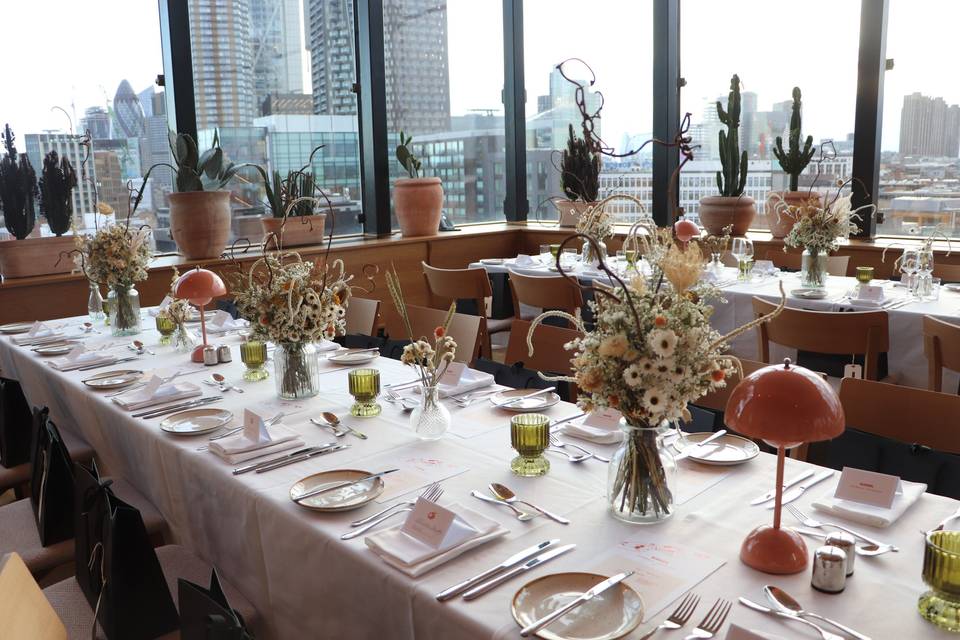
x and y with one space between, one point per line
718 375
660 321
439 332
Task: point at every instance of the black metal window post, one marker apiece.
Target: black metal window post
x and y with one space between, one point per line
177 66
372 117
868 125
666 104
515 205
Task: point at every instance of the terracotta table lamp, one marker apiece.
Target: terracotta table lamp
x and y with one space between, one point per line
785 406
199 286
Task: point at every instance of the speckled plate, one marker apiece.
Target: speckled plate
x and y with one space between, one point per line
55 349
809 294
354 358
344 499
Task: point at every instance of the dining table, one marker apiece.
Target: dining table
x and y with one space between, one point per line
306 582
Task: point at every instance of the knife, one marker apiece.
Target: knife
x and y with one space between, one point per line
516 558
106 364
770 495
688 451
478 591
523 397
306 456
153 413
562 420
797 491
341 485
594 591
256 465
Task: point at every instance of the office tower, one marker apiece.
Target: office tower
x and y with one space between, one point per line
277 51
154 145
330 38
110 183
67 146
127 112
96 120
549 128
928 127
220 38
299 104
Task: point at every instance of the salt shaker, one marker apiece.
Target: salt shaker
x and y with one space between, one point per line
845 541
829 569
210 356
223 353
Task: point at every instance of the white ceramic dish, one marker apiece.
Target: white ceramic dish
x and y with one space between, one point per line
349 497
196 421
113 379
725 451
536 403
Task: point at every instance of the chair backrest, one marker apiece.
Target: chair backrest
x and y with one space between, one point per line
458 284
548 352
946 272
24 611
717 400
464 329
855 333
545 292
836 265
941 344
363 315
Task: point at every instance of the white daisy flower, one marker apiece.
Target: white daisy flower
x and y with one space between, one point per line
663 342
654 401
632 375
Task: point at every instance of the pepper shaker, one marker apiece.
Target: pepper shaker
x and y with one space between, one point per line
829 569
223 353
845 541
210 356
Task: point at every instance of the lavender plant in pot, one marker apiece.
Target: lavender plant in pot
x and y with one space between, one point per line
418 202
793 161
580 179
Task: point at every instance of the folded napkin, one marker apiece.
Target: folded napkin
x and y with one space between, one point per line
598 435
725 275
85 359
325 345
471 380
523 260
736 632
39 331
765 267
160 307
223 322
414 558
868 514
240 448
168 392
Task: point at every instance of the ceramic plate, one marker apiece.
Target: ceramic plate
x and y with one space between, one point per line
195 316
952 286
16 327
350 497
492 261
537 403
809 294
725 451
612 614
55 349
354 358
113 379
196 421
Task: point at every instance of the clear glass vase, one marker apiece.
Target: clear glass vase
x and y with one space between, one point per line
124 301
641 476
95 303
813 269
185 340
591 257
297 370
716 264
430 420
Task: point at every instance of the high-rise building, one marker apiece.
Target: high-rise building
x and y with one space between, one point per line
96 120
220 40
127 112
67 146
110 182
330 38
928 127
277 49
154 145
287 104
549 128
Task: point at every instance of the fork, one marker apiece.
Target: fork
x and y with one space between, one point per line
571 457
816 524
557 442
679 616
471 398
432 493
711 622
406 503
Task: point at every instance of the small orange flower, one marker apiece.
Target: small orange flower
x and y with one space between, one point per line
718 375
660 321
438 332
614 401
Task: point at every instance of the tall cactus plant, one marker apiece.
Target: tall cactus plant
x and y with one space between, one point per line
794 161
732 179
580 170
18 189
57 182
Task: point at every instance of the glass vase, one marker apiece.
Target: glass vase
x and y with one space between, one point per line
185 340
641 476
716 264
430 420
124 304
813 269
591 257
941 572
297 370
95 303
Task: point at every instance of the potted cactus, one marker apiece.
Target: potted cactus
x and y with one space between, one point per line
418 202
731 207
291 204
580 179
793 161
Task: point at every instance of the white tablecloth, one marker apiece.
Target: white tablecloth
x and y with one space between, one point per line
307 583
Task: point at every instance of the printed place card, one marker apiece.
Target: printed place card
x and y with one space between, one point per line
870 292
428 523
37 327
220 318
75 352
254 429
153 385
607 418
868 487
453 374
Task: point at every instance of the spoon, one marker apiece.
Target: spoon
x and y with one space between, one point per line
523 516
783 601
409 404
140 348
219 379
579 457
504 493
863 548
333 420
337 432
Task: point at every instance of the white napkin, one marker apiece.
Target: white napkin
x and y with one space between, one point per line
736 632
765 267
87 358
155 311
39 331
415 558
223 322
868 514
239 448
598 435
471 380
523 260
325 345
726 274
165 393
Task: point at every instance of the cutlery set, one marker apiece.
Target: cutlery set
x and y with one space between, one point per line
291 458
784 606
505 497
431 493
708 628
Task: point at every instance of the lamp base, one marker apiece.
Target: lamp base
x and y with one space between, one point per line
772 550
197 354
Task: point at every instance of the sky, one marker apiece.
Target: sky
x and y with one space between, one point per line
93 44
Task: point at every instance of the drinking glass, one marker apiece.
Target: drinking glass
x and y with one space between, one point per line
909 263
545 254
253 353
925 261
742 248
941 572
364 386
631 255
165 326
530 437
864 275
568 257
554 250
745 268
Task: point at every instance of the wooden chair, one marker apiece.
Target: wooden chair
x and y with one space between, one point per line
857 333
464 329
363 316
550 292
466 284
941 344
548 352
717 400
946 272
24 611
836 265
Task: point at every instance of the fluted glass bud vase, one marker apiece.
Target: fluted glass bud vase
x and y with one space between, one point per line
124 301
430 419
641 476
95 303
813 269
297 370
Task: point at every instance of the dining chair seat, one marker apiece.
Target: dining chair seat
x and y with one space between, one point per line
18 530
177 562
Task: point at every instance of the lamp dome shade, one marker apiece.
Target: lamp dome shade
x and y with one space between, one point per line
199 286
686 230
784 404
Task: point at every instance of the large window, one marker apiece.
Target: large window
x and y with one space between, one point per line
615 39
773 47
920 170
61 80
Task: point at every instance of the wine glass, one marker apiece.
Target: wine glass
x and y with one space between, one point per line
742 248
909 263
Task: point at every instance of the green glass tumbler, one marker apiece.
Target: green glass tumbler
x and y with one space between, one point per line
555 250
864 274
364 386
941 572
165 327
530 437
253 353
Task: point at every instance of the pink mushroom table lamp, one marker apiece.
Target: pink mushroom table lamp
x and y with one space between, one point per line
199 286
785 406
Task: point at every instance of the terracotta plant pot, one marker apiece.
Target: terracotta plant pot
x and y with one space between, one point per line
36 256
299 230
418 203
200 223
717 212
779 228
570 210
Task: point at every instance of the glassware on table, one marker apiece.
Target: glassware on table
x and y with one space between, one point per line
934 289
554 250
297 370
124 301
364 385
165 327
641 476
253 353
742 248
864 275
813 268
909 263
568 257
95 303
530 437
184 339
744 269
941 572
545 254
430 419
